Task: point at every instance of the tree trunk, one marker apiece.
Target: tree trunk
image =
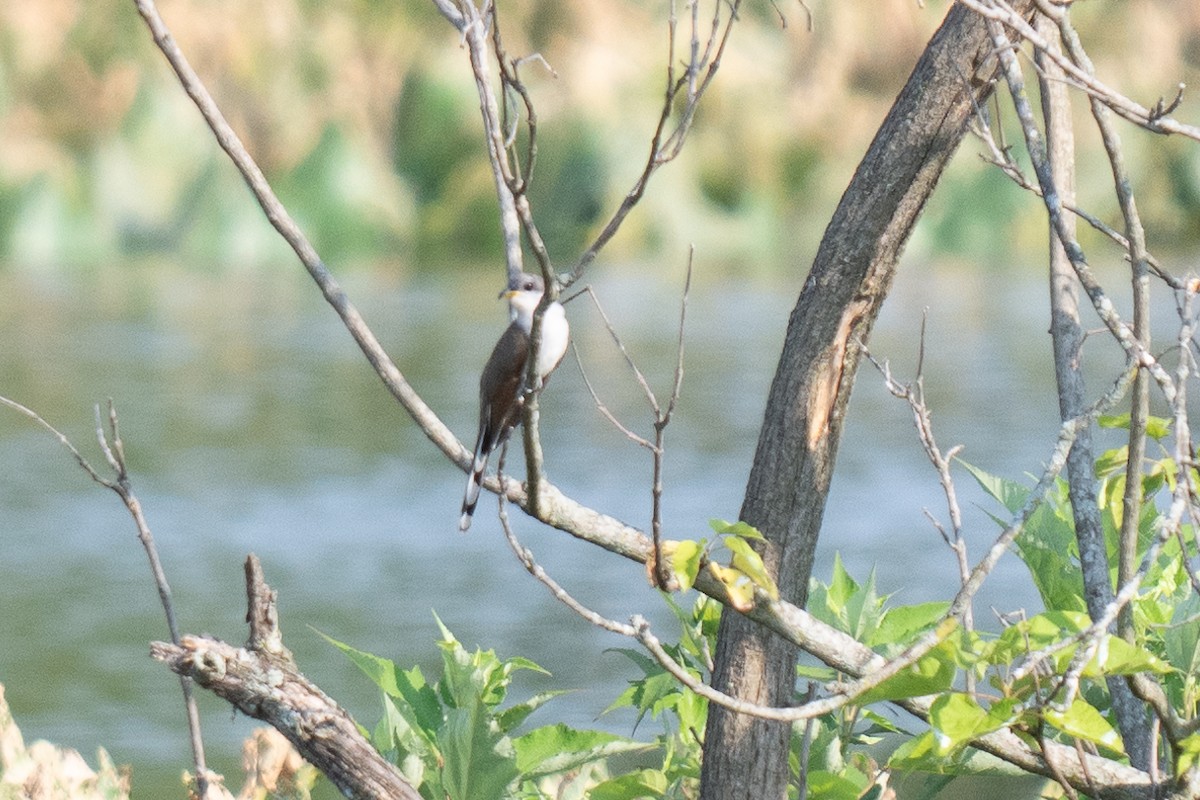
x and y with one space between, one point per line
789 481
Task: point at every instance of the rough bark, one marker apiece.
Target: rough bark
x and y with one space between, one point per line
261 681
797 446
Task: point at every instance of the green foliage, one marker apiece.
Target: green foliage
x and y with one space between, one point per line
1166 639
1166 629
681 712
452 740
456 738
741 577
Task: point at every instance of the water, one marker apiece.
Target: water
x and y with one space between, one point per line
252 423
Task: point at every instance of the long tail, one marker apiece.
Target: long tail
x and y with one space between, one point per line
471 493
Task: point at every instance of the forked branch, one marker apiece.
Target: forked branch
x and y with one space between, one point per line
114 453
261 680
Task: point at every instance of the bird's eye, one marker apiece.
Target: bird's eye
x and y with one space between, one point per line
529 286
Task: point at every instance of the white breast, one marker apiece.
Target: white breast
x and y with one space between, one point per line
555 334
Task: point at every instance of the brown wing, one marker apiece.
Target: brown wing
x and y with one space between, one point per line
500 400
500 387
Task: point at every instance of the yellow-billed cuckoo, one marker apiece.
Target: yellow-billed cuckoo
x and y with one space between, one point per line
502 385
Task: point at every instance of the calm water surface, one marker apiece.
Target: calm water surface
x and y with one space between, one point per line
252 423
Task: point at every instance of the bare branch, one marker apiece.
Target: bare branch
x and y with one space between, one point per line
282 221
638 628
914 395
62 439
1036 149
1000 12
473 24
662 575
665 145
1068 431
1138 259
603 409
261 680
114 452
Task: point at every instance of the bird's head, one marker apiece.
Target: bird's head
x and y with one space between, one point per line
524 297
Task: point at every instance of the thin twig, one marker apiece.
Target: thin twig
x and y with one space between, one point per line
999 155
664 145
1151 119
638 628
1138 260
914 395
1036 148
282 221
472 25
662 574
114 453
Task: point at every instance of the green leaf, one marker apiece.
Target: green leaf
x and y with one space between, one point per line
750 563
685 561
517 662
816 672
1037 632
881 724
643 783
1115 656
479 761
1156 427
864 610
738 586
514 715
558 748
1010 494
1110 461
692 710
420 702
740 529
933 673
648 696
902 623
957 719
1047 546
411 747
1084 722
919 754
1188 753
1182 638
841 588
381 671
832 786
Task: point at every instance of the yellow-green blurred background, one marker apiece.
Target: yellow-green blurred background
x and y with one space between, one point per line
363 115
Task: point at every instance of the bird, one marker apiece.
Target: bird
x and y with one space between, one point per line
503 382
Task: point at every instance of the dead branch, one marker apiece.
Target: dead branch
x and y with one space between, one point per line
114 453
262 681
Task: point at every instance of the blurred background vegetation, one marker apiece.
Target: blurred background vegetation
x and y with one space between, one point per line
363 115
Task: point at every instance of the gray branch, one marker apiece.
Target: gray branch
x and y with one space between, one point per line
261 680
